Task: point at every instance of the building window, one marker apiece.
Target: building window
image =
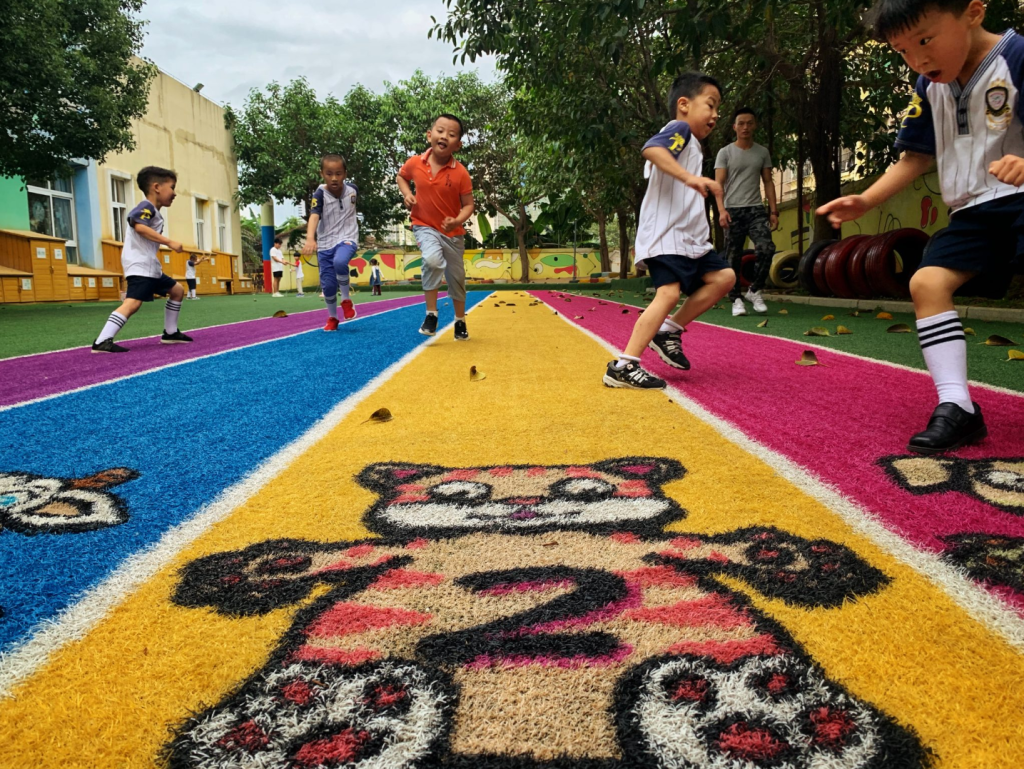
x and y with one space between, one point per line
51 211
223 230
120 188
200 224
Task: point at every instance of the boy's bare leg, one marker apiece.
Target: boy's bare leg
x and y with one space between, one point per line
932 289
129 307
647 325
716 285
431 300
460 308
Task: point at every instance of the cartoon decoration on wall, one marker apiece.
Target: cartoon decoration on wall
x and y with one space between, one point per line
35 504
535 616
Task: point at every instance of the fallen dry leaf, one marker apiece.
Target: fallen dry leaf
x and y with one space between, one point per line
808 358
854 314
380 415
999 341
841 330
1015 355
970 332
829 317
783 312
625 311
817 331
476 376
899 328
884 316
280 314
577 317
763 323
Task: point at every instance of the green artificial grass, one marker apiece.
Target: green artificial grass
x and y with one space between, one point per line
32 328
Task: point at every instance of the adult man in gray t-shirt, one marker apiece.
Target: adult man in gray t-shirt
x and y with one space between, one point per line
740 168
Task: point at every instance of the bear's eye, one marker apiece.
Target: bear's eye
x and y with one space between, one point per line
461 490
585 487
1006 479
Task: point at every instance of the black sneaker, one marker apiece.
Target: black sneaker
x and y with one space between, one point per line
949 428
631 375
461 333
429 327
176 338
108 345
669 345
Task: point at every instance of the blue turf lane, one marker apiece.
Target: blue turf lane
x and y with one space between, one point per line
190 431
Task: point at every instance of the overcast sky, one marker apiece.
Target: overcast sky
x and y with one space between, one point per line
232 47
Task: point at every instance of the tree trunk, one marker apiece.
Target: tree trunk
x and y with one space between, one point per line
623 243
823 138
602 228
524 258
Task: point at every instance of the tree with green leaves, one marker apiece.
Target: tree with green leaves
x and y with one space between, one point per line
70 85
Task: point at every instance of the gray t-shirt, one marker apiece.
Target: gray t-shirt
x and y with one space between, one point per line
743 180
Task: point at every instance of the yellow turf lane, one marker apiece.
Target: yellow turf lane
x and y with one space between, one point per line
110 699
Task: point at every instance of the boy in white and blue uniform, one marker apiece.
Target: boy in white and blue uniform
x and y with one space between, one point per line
333 234
966 113
141 265
673 237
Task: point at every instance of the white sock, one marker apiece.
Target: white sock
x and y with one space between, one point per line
332 306
624 359
944 347
171 310
458 317
669 326
112 326
432 312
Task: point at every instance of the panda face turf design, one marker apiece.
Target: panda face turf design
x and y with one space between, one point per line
33 504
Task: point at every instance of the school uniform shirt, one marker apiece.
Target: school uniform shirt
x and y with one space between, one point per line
672 218
139 254
276 260
338 221
190 270
968 128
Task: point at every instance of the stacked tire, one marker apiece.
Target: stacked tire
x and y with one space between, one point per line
863 266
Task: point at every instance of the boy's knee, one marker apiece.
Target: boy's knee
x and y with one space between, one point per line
931 283
670 292
177 292
725 279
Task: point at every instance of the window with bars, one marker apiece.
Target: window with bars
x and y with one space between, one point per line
51 211
200 224
223 227
119 191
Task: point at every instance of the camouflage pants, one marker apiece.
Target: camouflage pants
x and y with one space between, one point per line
752 222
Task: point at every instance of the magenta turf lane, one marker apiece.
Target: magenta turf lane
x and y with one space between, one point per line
51 373
838 420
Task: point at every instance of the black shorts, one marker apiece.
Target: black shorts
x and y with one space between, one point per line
191 283
144 289
277 274
987 239
684 270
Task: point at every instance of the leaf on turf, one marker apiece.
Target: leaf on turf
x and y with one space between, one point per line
783 312
999 341
817 331
854 314
842 330
763 323
828 317
884 316
510 304
280 314
577 317
1015 355
476 376
380 415
808 358
970 332
899 328
625 311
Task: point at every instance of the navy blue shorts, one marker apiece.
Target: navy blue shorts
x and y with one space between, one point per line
684 270
987 239
143 289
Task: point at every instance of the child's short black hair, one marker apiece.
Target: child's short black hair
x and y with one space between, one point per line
151 175
333 157
890 17
743 111
462 128
373 261
278 239
690 85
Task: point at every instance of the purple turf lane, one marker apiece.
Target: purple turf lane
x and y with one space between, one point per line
51 373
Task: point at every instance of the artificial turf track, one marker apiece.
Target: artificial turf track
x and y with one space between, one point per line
521 570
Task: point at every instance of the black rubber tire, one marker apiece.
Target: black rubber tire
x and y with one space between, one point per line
837 263
747 260
805 271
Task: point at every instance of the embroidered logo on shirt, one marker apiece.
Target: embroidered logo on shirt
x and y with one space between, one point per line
997 106
913 111
678 142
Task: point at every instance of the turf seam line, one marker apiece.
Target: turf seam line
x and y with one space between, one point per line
20 404
83 615
977 602
855 356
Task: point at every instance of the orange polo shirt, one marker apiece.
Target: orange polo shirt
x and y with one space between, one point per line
438 196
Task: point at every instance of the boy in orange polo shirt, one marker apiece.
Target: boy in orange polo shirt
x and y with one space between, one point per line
440 205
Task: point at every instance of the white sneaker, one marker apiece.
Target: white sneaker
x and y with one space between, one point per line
738 308
755 298
277 294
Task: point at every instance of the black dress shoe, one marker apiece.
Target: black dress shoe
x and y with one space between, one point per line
949 428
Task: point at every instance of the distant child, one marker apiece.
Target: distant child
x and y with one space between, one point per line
332 233
277 264
673 239
142 270
194 260
298 275
374 278
440 205
966 112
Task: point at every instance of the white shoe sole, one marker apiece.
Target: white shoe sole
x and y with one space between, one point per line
738 314
668 361
610 382
427 333
174 341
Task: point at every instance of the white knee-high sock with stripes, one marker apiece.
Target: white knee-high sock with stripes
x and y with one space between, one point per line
112 326
944 347
171 310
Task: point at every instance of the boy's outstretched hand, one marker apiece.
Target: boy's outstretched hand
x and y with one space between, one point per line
1009 170
844 209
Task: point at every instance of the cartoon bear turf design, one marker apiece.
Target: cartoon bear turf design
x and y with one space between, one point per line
33 504
999 482
535 617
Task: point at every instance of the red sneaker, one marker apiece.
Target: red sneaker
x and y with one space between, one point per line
332 324
347 309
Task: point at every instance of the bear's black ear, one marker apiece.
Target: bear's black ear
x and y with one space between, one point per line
654 469
383 477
